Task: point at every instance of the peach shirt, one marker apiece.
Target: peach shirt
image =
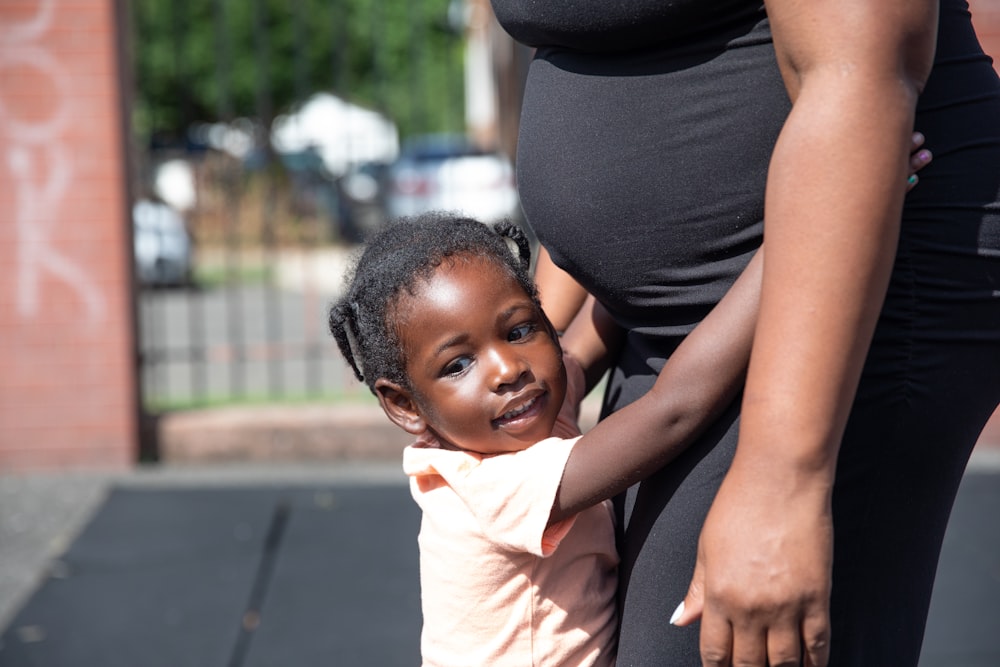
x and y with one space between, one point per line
498 587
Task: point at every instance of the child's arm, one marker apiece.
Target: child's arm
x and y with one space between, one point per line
696 385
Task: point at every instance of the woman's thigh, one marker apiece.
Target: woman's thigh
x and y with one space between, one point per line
931 382
662 519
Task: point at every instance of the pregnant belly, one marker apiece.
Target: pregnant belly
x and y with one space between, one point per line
645 177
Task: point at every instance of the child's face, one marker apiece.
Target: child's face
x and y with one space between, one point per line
486 374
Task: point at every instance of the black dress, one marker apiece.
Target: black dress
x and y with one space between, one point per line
645 137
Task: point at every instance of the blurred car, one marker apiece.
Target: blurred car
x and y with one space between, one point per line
351 203
362 200
162 245
313 191
448 172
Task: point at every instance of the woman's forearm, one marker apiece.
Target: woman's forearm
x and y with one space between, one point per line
833 209
831 236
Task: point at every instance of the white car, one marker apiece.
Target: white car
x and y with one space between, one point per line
163 254
448 173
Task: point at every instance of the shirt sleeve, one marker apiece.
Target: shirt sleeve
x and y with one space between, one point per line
510 495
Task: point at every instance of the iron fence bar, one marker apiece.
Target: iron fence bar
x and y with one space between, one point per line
197 376
196 348
378 64
299 27
418 83
152 353
178 26
311 353
263 78
147 361
231 217
222 60
265 114
454 84
340 44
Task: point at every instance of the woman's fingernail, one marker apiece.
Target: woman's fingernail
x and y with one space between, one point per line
924 156
677 613
917 137
912 180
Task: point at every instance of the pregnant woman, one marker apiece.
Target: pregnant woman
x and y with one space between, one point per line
656 139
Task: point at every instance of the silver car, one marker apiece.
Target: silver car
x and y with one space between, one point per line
163 253
449 173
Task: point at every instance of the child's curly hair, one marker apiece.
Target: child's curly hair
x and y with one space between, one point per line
395 259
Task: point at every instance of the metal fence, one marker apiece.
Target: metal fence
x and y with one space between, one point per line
272 221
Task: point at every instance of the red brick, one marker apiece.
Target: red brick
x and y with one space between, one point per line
67 385
986 19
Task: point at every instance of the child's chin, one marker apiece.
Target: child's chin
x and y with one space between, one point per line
528 437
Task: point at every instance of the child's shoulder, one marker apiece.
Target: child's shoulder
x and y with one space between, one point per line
426 456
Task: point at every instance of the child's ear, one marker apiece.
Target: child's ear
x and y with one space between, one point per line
399 407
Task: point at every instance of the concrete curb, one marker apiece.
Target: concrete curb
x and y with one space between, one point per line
354 432
279 433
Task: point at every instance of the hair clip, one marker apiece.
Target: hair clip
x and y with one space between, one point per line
352 341
515 249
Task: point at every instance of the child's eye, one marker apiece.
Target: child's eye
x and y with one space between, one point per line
521 331
457 366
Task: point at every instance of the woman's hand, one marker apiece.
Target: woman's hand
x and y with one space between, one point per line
919 158
767 601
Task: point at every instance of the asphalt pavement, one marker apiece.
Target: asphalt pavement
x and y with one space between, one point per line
303 564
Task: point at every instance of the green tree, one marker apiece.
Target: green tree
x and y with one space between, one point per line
212 60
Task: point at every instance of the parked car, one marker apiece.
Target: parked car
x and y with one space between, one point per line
313 190
163 249
351 204
448 172
362 200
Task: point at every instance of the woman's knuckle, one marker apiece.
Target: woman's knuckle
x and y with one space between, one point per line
816 644
714 657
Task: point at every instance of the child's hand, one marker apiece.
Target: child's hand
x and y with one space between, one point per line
918 160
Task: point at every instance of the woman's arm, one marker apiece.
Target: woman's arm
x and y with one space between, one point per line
588 331
698 382
854 70
594 339
561 296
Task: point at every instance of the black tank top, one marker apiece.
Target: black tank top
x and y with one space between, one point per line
646 132
597 26
642 170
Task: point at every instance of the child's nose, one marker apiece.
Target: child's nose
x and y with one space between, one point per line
507 369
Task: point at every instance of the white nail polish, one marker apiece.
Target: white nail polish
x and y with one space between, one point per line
677 613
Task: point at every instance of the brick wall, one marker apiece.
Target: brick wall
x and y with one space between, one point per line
67 379
986 19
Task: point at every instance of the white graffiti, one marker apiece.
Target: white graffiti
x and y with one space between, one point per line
42 170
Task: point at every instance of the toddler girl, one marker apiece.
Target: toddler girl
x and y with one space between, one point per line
517 546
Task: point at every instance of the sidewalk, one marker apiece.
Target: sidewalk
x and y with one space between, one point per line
309 563
173 567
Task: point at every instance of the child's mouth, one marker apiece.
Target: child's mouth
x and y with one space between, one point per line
521 413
